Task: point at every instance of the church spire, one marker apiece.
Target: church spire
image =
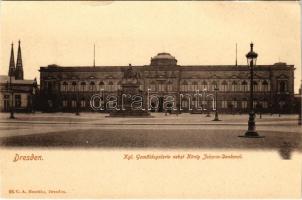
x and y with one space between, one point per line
19 65
11 69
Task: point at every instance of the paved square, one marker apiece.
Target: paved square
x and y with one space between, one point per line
192 131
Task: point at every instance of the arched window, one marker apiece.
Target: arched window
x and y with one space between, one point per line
204 85
234 86
224 86
282 86
92 86
244 87
265 86
214 85
195 86
256 88
184 86
153 86
74 86
141 86
119 85
83 86
110 86
101 86
161 87
64 86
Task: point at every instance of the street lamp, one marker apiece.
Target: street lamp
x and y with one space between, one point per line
216 109
204 104
251 61
12 98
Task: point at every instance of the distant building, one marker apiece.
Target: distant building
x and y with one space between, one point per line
297 101
14 90
65 88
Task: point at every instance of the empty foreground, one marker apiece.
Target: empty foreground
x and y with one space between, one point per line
191 131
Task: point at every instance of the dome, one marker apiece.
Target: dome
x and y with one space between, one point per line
163 59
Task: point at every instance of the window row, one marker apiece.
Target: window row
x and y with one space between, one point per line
226 87
227 104
92 86
83 87
18 101
162 87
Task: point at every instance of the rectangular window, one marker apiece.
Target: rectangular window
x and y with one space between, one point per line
64 103
224 87
161 87
234 87
224 104
254 104
244 104
83 103
73 103
244 88
6 102
50 104
184 88
18 101
234 104
184 104
153 87
93 88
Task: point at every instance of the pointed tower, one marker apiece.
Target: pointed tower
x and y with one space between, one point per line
19 66
11 69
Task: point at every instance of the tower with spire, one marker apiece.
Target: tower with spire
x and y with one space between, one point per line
11 69
19 74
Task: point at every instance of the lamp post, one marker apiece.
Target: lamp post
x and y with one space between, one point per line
216 109
251 60
12 98
204 105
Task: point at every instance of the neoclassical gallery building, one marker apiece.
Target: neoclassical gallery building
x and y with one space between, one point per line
67 88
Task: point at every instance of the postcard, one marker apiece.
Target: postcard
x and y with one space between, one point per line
150 99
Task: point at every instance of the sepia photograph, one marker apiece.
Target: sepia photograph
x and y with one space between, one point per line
153 99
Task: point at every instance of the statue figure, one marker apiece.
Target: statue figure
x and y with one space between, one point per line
130 75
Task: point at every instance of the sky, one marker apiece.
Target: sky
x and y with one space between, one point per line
196 33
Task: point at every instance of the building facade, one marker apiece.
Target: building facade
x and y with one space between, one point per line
15 92
70 88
